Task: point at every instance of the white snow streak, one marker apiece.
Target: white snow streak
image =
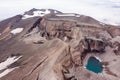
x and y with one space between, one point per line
5 64
9 61
68 14
6 72
17 30
98 58
65 15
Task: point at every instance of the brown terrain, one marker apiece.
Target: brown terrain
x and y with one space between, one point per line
58 48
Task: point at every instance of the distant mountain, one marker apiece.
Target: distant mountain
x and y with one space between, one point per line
46 44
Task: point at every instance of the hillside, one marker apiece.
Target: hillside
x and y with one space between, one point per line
51 45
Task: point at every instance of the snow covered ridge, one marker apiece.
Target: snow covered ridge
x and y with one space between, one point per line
37 13
4 65
17 30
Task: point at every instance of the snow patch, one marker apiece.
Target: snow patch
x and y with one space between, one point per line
47 11
6 72
55 11
36 13
8 62
17 30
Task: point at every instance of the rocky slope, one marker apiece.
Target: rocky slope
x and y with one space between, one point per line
56 46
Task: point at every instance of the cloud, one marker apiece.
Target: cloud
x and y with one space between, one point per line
103 10
116 1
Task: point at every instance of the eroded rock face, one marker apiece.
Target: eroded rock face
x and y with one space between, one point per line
55 48
93 45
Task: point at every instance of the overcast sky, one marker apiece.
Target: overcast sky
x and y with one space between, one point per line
103 10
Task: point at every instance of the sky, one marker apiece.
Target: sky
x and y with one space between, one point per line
107 11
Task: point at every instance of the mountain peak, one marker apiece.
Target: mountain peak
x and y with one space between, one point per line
39 12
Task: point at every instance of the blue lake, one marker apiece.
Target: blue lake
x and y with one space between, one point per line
94 65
